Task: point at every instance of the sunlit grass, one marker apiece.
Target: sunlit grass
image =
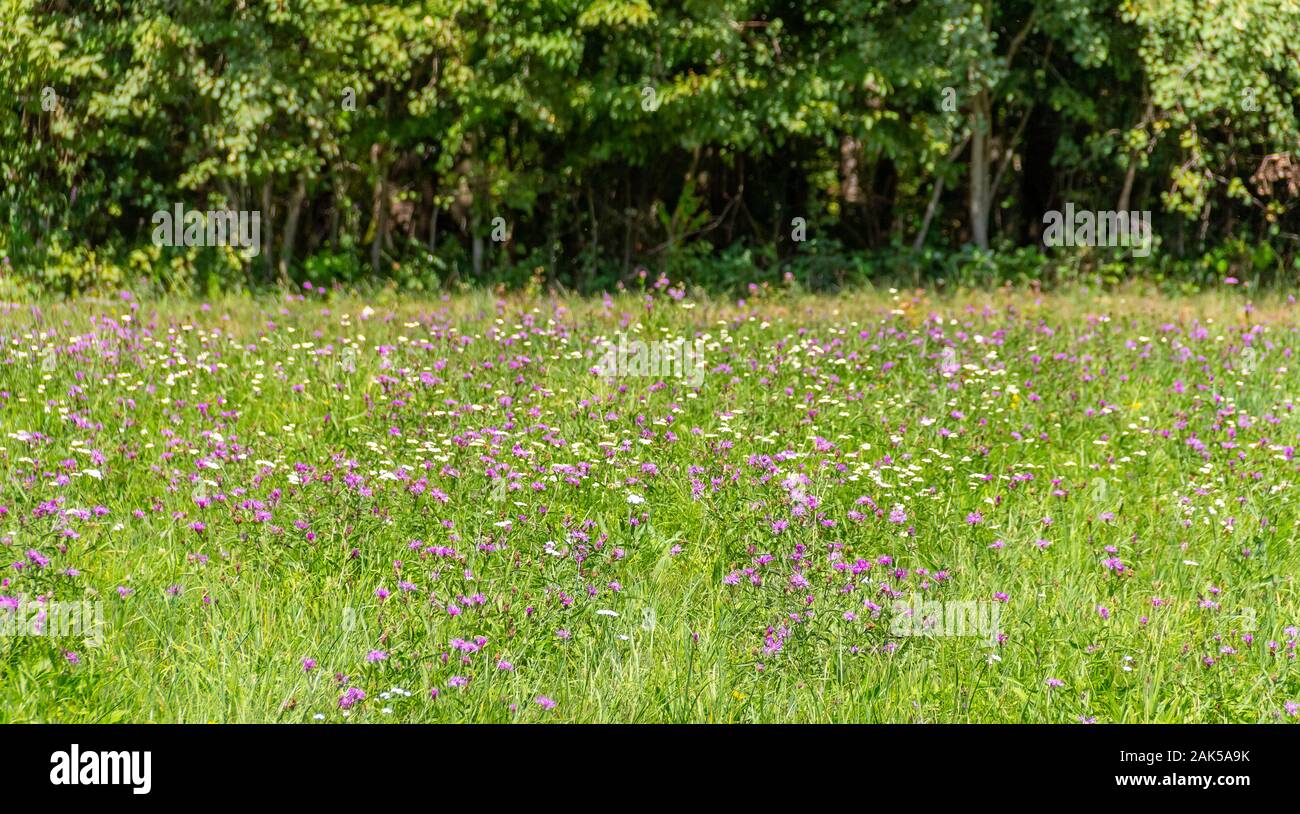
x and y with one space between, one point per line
314 439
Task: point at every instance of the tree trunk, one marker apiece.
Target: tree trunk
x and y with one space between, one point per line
980 186
477 244
291 227
335 211
268 230
930 208
378 211
1131 173
628 213
431 201
850 182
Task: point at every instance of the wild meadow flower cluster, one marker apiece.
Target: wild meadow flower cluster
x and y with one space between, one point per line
326 508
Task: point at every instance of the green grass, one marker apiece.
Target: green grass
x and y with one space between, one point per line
367 451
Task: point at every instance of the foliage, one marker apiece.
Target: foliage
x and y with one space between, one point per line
611 135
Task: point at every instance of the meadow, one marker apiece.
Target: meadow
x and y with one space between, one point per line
323 506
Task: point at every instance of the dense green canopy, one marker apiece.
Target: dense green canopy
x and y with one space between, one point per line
578 140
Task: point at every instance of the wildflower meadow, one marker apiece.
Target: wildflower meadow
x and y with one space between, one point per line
659 505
